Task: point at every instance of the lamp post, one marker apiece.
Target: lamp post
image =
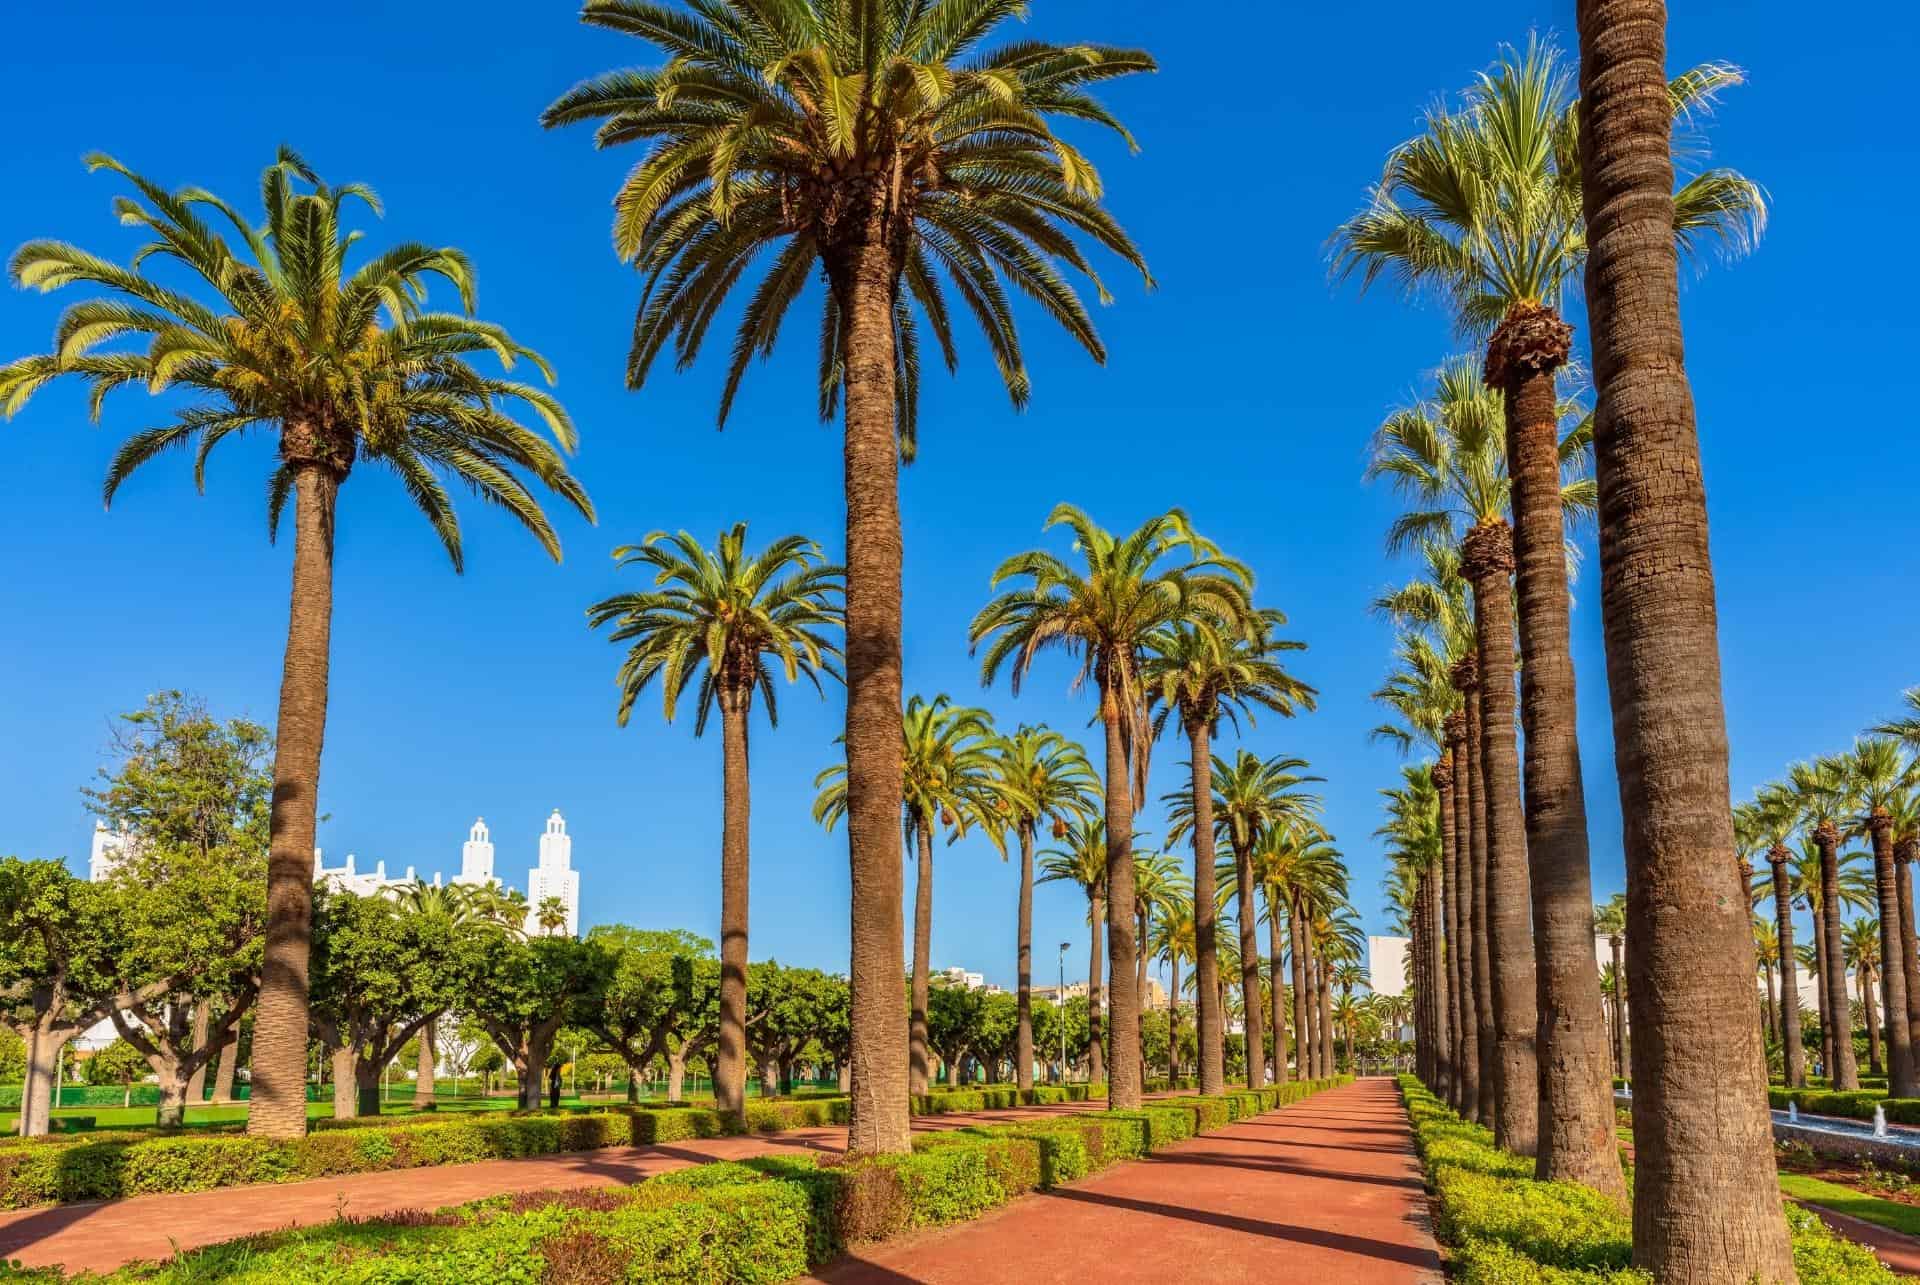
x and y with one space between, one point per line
1061 996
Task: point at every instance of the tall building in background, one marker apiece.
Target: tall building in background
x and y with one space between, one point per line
553 877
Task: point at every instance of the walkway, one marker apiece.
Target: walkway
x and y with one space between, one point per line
102 1235
1327 1190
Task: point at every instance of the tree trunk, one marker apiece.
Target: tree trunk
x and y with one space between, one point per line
1825 998
730 1056
196 1090
1793 1055
1096 1058
345 1103
1485 1107
1843 1073
1247 915
277 1106
1461 943
863 274
36 1094
1864 978
1302 1025
1326 1019
1773 1027
1275 954
1909 947
1901 1081
1142 930
1123 999
1617 945
1209 1029
1023 968
224 1073
1437 983
366 1078
1706 1200
917 1060
424 1068
677 1075
1574 1089
1173 1021
1487 560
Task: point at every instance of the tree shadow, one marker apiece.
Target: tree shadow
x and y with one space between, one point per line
1363 1246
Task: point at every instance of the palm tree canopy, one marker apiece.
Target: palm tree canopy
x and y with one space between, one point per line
1132 587
1197 672
722 615
948 774
1251 796
786 129
1610 916
342 365
1043 776
1483 208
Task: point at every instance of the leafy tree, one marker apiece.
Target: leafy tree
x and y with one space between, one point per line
521 992
791 1006
727 617
119 1063
13 1057
884 144
955 1014
293 344
646 999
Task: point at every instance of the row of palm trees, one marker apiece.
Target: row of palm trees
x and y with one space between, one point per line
1790 838
1542 177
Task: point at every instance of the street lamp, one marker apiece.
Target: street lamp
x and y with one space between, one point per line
1061 997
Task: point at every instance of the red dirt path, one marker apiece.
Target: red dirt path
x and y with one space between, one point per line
1326 1190
102 1235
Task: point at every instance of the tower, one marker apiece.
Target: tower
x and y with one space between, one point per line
476 855
554 876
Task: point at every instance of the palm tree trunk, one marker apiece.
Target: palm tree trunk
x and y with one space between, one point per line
278 1103
1461 944
918 1064
1247 915
1096 1057
424 1068
730 1054
1618 946
1843 1072
1023 980
1173 1021
1142 930
1326 1019
1706 1205
1437 984
1909 948
1773 1027
1302 1026
1487 562
1863 977
1123 1000
1793 1056
1210 1031
1574 1089
1485 1109
863 275
1901 1080
1275 954
1826 1005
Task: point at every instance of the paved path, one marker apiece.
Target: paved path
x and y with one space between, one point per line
102 1235
1326 1190
1897 1252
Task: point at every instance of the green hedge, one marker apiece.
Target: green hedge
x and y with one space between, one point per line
1857 1104
1505 1227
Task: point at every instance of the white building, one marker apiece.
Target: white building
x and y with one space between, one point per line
553 877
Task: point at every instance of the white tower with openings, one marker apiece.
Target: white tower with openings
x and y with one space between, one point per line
554 877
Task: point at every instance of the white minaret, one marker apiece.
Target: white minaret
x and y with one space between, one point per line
476 855
110 848
554 876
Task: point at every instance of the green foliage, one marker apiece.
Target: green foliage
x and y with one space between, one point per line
118 1063
1505 1227
13 1057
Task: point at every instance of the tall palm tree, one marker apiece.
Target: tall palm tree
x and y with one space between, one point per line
1820 791
1175 941
1768 822
1879 777
1860 951
883 143
1854 892
339 367
1131 587
1251 796
1201 677
1042 777
727 617
1448 455
1704 1204
1083 862
948 780
1413 832
1610 921
1157 881
1906 846
550 915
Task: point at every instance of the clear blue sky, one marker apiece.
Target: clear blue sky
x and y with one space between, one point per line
1243 389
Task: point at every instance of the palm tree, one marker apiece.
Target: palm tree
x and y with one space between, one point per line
1175 940
1855 892
1132 588
948 781
454 905
882 143
1157 880
727 617
1860 950
1820 791
1769 821
294 345
1610 921
1042 777
1879 778
1704 1207
1202 677
1413 833
1906 846
550 915
1251 796
1084 862
1447 454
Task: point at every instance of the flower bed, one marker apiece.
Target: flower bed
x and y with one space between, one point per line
1504 1226
761 1220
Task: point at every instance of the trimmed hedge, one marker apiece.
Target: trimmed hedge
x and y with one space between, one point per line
761 1220
1856 1104
1503 1226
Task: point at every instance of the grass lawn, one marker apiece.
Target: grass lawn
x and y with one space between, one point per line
1890 1214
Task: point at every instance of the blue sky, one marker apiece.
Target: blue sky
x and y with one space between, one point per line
1243 389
